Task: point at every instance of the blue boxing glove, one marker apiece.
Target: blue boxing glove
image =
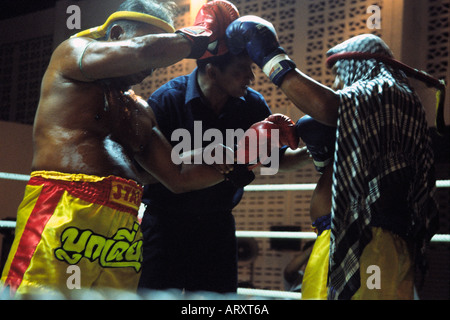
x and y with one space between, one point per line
258 37
319 139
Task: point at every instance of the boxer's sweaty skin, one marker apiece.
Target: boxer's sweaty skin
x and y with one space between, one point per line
321 198
97 127
100 136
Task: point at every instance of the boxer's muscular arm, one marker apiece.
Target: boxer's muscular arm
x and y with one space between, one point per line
258 37
311 97
156 159
155 156
103 60
124 57
294 159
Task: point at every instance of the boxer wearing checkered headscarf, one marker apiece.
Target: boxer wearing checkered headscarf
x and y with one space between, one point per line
383 172
383 165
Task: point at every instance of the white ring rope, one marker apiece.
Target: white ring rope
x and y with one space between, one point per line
7 224
281 187
262 187
276 235
311 186
269 293
263 234
252 234
308 235
14 176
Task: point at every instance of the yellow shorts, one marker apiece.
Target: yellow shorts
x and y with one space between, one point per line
314 285
386 269
78 220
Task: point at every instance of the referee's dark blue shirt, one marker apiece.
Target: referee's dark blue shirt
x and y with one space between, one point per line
177 104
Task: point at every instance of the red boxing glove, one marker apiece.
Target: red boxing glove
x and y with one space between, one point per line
288 136
256 145
199 38
215 16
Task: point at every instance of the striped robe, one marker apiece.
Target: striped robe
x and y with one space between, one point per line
383 166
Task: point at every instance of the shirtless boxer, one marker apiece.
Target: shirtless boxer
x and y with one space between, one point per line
95 143
320 142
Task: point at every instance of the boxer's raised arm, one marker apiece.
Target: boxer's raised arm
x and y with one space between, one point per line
258 38
311 97
88 60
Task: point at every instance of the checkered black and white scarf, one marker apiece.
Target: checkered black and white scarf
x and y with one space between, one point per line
381 130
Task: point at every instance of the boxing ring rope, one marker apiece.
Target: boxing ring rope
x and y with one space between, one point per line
310 235
441 238
262 187
311 186
14 176
273 294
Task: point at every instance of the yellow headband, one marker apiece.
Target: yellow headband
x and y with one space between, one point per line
98 32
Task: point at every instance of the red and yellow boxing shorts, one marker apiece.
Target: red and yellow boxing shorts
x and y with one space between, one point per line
315 279
78 220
